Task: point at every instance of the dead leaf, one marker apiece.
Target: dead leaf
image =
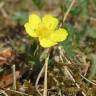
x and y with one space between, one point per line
2 60
6 52
4 55
8 79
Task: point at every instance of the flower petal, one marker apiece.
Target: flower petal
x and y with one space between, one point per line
59 35
34 21
46 43
50 21
29 30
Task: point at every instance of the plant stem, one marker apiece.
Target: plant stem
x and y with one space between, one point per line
45 78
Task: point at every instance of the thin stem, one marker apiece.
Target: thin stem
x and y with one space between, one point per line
45 79
46 68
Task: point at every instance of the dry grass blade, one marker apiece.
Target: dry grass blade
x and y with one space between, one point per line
3 92
87 80
66 14
14 77
68 72
18 92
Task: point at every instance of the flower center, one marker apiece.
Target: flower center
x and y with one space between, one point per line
43 32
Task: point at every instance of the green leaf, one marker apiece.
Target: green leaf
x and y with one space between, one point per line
74 38
39 3
84 7
67 45
20 17
75 11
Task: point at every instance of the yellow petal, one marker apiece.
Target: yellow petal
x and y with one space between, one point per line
29 30
44 42
59 35
50 21
34 21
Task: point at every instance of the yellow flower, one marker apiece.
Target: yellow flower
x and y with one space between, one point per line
45 30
